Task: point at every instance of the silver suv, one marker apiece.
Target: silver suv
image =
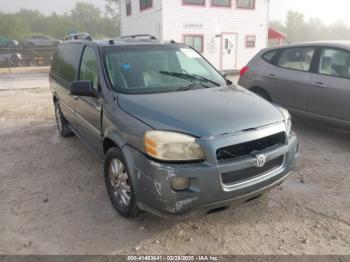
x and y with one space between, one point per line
310 79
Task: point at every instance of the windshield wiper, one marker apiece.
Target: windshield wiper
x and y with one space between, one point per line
190 86
189 77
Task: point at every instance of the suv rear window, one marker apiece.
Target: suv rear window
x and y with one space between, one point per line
70 62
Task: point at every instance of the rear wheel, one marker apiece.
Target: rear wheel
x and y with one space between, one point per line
118 183
62 124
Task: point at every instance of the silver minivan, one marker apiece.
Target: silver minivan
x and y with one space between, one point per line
310 79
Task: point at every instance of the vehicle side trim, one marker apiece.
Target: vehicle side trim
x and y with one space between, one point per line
87 124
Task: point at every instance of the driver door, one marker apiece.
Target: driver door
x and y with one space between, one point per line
88 109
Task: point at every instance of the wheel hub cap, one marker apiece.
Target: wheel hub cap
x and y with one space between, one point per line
120 184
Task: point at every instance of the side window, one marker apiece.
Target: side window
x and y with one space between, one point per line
269 56
70 62
88 67
335 62
297 58
56 61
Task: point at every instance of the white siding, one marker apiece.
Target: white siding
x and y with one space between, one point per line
171 20
214 21
148 21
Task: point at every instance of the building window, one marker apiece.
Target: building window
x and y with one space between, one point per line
194 2
221 3
246 4
250 41
145 4
195 41
128 7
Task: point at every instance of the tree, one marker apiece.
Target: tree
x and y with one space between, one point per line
83 18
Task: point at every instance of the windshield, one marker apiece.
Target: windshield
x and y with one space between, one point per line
158 68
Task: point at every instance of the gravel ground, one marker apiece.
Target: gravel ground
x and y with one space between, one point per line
53 199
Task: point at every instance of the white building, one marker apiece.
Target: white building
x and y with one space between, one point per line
228 32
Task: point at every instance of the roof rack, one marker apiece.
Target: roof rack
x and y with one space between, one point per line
142 36
78 36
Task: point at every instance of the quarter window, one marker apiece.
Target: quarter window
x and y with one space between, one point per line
269 56
145 4
128 7
221 3
195 41
335 62
297 58
246 4
88 67
250 41
194 2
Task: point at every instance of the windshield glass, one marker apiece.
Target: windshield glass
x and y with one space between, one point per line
158 68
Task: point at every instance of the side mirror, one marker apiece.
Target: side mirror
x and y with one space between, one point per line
82 88
224 75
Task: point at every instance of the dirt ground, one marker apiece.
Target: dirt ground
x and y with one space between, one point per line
53 199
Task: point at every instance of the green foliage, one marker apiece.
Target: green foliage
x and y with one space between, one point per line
83 18
298 29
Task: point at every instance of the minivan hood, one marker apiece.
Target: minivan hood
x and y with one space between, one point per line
202 112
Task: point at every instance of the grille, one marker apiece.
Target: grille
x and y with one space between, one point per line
251 172
247 148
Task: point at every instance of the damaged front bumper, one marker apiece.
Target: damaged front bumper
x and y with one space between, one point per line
152 182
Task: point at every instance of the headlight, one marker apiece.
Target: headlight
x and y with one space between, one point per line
171 146
287 121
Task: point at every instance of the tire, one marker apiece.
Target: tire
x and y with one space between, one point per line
62 124
118 184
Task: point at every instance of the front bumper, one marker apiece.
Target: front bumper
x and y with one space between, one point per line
152 180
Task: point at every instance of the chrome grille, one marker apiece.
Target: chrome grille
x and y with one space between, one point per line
250 173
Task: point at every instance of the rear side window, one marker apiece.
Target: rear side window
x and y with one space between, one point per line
297 58
335 62
269 56
56 61
70 62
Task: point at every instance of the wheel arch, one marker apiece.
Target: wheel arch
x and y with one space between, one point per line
111 141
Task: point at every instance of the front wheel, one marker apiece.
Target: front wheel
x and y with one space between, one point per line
118 183
62 124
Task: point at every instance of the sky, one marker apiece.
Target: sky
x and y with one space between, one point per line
328 12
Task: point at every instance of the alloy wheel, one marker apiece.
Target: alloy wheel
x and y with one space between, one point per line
119 182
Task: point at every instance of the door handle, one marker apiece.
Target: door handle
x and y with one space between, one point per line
320 84
272 76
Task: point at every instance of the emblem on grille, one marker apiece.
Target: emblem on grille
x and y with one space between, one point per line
260 160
